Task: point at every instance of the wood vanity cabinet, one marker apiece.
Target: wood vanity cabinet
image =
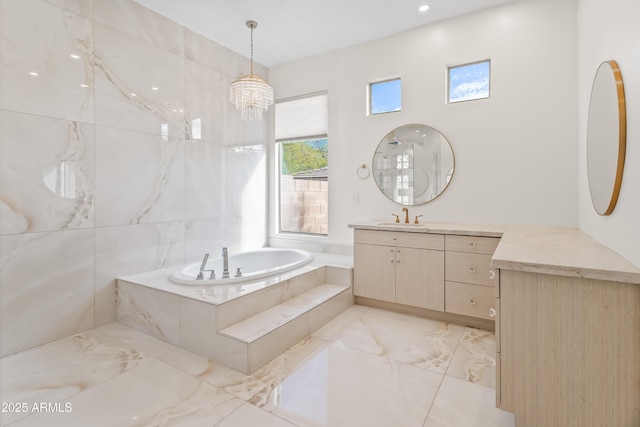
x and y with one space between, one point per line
568 350
469 278
400 267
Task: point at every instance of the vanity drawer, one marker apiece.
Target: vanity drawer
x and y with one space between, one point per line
395 238
470 268
469 300
472 244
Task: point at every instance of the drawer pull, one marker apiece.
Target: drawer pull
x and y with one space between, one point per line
472 269
472 244
492 274
492 312
472 301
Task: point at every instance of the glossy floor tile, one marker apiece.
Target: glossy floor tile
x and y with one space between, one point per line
367 367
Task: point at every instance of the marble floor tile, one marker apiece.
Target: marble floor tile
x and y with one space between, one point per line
237 383
475 358
366 367
338 323
64 368
413 340
142 342
339 386
463 404
248 415
154 394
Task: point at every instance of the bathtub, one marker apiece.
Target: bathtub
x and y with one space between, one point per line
254 265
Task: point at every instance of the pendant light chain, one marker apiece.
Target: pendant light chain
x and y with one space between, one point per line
251 70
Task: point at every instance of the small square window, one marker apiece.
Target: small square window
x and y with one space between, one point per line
385 96
468 82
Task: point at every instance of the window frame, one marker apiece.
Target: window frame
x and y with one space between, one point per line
467 64
370 95
279 143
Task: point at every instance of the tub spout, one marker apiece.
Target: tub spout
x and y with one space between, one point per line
202 266
225 263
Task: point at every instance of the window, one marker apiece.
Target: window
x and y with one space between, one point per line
469 81
303 154
385 96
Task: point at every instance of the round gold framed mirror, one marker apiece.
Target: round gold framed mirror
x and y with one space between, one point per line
413 164
606 137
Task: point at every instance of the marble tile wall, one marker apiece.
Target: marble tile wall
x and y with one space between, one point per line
119 153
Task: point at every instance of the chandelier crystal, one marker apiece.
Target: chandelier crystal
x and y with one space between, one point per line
250 94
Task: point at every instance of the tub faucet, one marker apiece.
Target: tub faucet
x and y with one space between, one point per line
225 263
202 266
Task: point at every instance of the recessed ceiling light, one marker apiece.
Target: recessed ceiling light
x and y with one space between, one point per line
134 94
33 73
84 85
154 88
423 8
74 56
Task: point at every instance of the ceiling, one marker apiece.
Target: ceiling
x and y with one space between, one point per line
293 29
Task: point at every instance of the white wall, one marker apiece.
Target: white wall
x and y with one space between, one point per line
610 30
515 152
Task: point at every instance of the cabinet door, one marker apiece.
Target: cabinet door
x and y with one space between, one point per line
420 278
374 272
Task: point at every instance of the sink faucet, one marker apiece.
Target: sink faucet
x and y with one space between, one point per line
406 215
225 263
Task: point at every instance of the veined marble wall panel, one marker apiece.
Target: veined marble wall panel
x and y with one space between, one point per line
140 177
211 235
146 195
206 103
253 161
233 170
46 64
149 311
214 60
213 55
81 7
131 249
46 287
244 171
142 23
206 182
254 228
137 84
46 173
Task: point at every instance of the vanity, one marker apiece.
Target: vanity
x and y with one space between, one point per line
438 272
566 310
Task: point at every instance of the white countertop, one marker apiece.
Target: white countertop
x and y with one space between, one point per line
550 250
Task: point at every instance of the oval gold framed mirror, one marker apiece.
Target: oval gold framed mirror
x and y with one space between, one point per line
606 137
413 164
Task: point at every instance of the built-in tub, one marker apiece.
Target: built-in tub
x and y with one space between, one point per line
255 265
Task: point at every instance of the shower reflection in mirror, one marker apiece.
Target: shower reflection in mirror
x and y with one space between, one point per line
413 164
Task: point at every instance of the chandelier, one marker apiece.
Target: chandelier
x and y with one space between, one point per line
250 94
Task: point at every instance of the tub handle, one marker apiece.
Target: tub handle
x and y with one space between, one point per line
202 266
238 272
212 274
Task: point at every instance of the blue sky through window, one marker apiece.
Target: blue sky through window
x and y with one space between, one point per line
386 96
468 82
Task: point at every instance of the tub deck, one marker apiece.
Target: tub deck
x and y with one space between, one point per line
242 325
